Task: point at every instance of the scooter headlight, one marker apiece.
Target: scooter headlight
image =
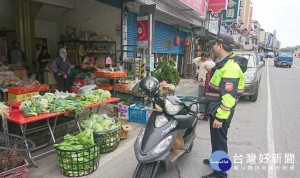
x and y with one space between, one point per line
140 136
160 120
171 108
163 145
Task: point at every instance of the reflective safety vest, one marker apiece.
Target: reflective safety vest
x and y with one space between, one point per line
225 86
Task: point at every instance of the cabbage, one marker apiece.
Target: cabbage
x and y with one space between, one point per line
97 127
98 123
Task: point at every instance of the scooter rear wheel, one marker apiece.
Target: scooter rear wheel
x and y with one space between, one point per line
147 170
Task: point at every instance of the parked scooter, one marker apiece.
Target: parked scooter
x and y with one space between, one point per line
154 146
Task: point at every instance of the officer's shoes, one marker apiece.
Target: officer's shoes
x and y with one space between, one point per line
212 175
206 162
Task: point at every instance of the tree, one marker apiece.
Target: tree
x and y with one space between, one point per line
166 71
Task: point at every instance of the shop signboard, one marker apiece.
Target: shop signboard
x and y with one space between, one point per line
250 20
231 14
242 11
245 13
213 25
269 40
142 32
197 5
216 6
150 63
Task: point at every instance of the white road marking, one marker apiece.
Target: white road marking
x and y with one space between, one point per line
270 135
296 66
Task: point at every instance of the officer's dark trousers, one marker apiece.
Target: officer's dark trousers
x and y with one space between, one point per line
219 141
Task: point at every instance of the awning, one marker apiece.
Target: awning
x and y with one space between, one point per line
171 12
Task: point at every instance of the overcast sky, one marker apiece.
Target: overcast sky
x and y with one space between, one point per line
282 15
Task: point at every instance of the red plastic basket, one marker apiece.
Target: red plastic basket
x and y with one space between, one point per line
119 86
18 172
108 87
125 87
100 74
22 90
118 74
43 87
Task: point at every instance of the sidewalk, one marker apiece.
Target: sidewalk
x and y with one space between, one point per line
48 166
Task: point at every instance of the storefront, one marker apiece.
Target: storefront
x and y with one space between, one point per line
163 40
171 28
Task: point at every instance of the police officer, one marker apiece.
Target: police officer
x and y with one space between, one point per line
225 86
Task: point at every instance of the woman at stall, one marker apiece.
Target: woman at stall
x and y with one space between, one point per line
61 70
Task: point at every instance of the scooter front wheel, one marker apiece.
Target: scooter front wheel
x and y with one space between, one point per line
146 170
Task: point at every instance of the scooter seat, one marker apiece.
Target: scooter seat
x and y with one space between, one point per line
185 121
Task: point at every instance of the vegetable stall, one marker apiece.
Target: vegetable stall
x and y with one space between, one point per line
51 106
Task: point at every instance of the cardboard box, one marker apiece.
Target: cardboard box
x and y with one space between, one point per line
124 131
15 98
123 110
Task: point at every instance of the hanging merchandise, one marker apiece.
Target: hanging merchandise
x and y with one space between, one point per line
108 60
176 41
186 41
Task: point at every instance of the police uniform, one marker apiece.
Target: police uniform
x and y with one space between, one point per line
224 89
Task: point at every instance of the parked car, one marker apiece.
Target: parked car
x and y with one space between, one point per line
252 75
284 59
270 54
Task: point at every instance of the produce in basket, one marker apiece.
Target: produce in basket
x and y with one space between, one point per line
106 131
82 140
10 159
98 123
77 158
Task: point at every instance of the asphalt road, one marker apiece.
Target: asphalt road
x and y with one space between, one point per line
263 139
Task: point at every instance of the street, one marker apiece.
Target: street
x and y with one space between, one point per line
263 139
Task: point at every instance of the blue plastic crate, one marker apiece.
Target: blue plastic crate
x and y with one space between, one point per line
137 113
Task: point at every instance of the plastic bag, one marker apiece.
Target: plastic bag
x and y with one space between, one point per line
88 89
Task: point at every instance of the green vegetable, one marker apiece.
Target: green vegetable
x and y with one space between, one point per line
98 123
166 71
36 107
79 161
51 103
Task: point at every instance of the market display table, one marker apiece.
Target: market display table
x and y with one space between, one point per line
17 116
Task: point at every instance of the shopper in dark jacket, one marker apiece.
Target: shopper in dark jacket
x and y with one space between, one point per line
61 70
15 55
43 59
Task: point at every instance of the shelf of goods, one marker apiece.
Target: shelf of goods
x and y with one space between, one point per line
132 65
91 54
